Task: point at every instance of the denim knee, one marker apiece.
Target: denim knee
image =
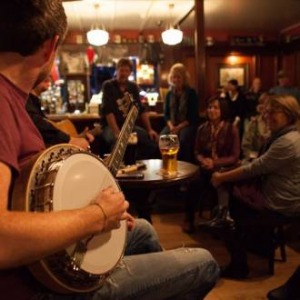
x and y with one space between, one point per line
142 239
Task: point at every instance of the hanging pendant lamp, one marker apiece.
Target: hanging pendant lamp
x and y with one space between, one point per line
97 36
172 36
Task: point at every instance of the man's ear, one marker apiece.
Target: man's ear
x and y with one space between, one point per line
50 47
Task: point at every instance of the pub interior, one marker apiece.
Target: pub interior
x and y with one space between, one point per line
222 40
257 41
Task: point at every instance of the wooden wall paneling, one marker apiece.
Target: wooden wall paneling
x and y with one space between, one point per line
252 69
257 63
189 63
200 50
289 65
297 82
294 47
169 58
267 70
212 75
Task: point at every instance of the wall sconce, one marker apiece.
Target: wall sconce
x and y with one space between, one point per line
172 36
96 36
233 59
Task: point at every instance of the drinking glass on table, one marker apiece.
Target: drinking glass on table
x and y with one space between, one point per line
169 146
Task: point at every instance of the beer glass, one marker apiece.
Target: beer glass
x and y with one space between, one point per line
130 152
169 146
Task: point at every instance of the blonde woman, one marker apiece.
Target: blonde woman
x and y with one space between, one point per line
181 111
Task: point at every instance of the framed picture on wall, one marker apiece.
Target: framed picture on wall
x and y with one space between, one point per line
228 72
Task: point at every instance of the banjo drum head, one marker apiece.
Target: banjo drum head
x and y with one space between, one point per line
79 179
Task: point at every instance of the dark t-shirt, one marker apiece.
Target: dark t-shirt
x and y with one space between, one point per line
19 138
51 135
236 107
111 94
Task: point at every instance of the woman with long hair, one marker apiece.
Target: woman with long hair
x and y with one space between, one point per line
181 111
217 146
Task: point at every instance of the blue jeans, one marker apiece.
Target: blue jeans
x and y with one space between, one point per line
184 273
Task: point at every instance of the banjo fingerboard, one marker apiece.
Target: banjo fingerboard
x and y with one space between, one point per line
118 151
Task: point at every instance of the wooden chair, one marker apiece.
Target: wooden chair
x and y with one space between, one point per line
272 228
280 239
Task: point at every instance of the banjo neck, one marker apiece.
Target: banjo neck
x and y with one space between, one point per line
116 157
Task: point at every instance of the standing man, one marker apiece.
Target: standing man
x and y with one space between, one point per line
113 116
28 46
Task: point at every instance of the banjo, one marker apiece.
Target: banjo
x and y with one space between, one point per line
64 177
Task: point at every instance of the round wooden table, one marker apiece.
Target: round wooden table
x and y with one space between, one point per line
138 190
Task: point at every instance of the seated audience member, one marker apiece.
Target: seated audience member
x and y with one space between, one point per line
217 146
181 111
113 115
256 132
51 134
31 236
276 177
285 87
251 101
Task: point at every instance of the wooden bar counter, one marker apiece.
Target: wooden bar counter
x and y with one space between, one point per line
80 121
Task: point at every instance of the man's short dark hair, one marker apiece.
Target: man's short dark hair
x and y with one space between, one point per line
124 62
26 24
234 82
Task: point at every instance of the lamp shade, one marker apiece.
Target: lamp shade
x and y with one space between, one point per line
97 37
172 36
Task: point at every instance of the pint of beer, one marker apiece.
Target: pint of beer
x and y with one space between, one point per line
169 146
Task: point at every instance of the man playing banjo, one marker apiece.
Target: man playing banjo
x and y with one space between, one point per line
30 32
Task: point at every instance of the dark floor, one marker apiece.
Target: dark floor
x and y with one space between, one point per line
167 215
